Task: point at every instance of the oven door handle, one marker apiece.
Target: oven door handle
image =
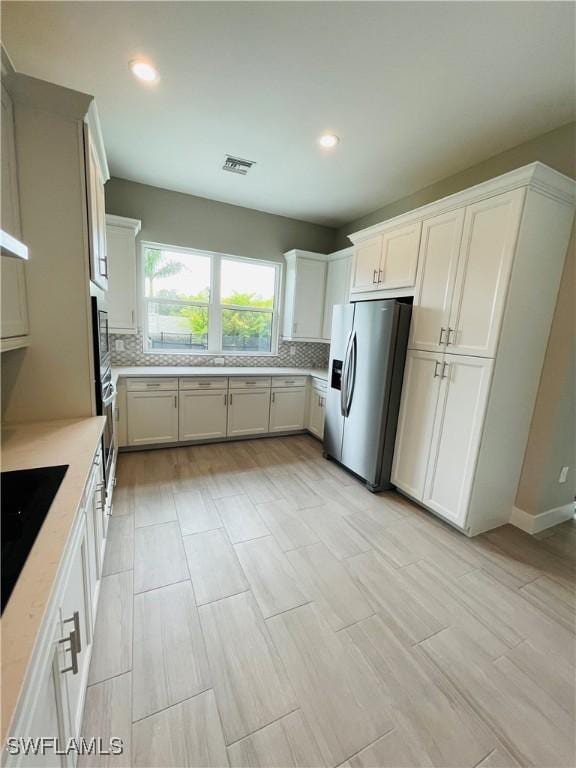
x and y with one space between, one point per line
110 398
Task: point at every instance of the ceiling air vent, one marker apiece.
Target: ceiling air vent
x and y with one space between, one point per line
237 165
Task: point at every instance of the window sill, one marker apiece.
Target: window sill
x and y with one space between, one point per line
173 352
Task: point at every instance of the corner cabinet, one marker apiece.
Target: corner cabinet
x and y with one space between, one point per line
121 253
304 295
489 269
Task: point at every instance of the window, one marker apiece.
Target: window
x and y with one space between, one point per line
197 302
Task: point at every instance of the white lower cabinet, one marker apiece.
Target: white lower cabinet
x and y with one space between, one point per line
439 429
152 417
248 411
457 431
416 420
287 409
203 414
47 714
316 412
76 617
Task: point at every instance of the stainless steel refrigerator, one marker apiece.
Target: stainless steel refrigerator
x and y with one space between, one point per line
367 355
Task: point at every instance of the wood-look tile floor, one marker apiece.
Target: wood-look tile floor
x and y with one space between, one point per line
261 608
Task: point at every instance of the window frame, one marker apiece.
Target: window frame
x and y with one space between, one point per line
214 306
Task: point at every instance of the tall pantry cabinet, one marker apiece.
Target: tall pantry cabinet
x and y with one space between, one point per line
489 266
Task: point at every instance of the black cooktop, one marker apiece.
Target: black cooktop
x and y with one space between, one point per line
26 497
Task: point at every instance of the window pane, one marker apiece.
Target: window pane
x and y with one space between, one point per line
177 327
246 331
176 275
246 284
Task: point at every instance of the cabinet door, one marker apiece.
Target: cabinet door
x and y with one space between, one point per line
248 411
10 214
48 715
14 305
316 413
121 297
121 414
366 265
96 215
486 256
203 414
309 289
337 285
152 417
438 260
399 258
416 420
287 409
76 617
464 389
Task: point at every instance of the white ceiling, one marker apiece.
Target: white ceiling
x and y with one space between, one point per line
416 91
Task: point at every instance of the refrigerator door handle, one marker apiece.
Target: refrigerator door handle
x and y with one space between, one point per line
351 374
344 380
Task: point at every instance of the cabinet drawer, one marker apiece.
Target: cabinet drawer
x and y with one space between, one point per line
203 382
249 382
289 381
152 383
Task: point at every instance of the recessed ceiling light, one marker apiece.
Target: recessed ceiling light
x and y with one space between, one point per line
328 140
143 71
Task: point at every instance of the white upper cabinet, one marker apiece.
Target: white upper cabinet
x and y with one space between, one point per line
10 196
486 256
438 261
337 286
460 413
14 303
121 250
304 295
315 282
387 261
366 267
399 258
95 180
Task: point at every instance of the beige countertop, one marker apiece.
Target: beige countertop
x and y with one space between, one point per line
25 446
216 370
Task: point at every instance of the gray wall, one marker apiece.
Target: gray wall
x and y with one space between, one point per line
552 439
174 218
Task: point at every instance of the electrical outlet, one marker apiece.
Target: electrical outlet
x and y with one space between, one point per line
563 474
292 350
119 345
218 360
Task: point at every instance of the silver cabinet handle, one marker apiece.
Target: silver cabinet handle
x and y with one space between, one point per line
294 327
132 316
442 332
75 643
273 397
175 401
444 367
379 276
153 384
226 399
375 278
230 398
450 330
436 364
318 396
289 382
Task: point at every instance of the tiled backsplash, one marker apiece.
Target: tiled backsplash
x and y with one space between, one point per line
307 355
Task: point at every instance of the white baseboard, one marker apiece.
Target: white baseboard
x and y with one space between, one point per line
537 523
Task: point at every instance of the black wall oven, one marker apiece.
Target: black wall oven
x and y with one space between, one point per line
105 390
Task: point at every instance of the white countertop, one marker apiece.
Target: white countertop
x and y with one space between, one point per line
217 370
24 446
